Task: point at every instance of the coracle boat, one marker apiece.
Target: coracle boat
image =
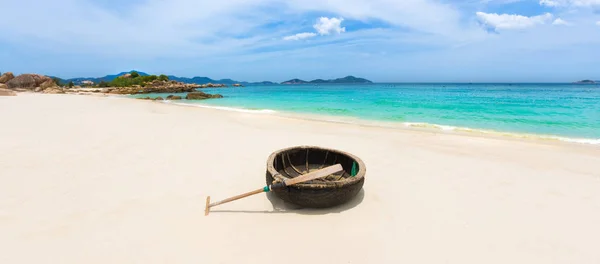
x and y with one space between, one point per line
325 192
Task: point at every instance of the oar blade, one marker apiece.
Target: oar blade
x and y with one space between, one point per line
315 174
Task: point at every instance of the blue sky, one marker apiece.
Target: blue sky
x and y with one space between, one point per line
256 40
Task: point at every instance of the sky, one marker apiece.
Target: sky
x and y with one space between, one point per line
271 40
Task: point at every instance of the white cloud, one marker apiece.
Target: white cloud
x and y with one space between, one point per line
326 26
560 22
548 3
508 21
300 36
567 3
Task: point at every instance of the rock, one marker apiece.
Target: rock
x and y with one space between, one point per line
3 86
48 84
6 92
173 97
29 81
38 89
238 85
7 76
201 96
162 87
158 99
54 90
215 85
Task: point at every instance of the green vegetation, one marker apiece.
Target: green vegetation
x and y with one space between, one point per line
103 84
57 81
134 79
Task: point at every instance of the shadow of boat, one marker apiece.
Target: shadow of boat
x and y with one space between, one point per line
283 207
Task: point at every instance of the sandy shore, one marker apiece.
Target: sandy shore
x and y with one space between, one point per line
87 179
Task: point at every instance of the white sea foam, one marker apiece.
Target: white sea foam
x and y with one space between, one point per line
242 110
505 134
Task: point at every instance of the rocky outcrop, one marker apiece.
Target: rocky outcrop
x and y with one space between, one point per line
7 92
238 85
201 96
173 97
27 81
155 87
212 85
48 84
54 90
7 76
3 86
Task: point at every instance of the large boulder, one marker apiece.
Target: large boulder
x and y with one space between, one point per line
7 92
173 97
201 96
7 76
3 86
47 84
28 81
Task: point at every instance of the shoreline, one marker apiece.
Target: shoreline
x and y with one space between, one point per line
411 126
407 126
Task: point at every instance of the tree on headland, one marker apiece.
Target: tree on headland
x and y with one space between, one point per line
103 84
135 78
57 81
71 84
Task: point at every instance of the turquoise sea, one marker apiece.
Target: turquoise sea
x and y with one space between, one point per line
566 111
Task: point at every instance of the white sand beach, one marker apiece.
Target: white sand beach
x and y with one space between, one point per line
91 179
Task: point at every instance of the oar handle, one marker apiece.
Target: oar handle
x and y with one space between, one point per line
237 197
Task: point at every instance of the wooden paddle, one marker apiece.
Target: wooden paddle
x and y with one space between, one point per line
300 179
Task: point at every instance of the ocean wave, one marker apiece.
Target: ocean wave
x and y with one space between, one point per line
505 134
234 109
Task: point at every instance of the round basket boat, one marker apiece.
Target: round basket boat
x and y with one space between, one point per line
329 191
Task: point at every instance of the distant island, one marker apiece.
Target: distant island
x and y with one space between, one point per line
347 79
587 82
202 80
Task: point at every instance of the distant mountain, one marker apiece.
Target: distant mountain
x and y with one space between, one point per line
347 79
587 82
107 78
205 80
295 81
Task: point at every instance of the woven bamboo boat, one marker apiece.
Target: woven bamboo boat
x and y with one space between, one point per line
329 191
